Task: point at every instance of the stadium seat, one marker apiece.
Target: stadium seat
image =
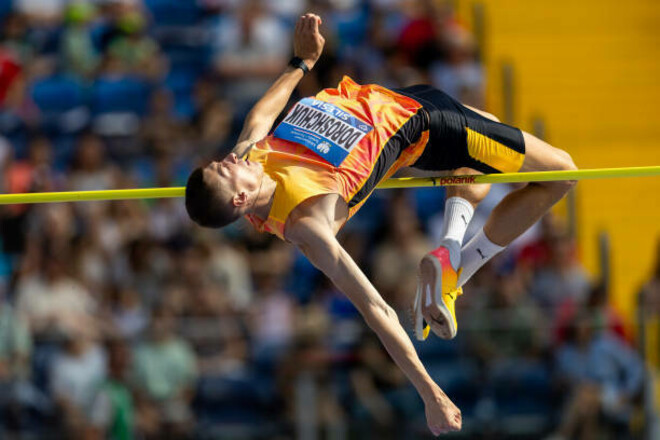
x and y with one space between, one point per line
180 82
174 12
119 94
57 94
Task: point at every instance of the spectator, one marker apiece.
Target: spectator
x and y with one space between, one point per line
76 373
15 38
272 320
136 52
91 171
218 334
509 326
164 373
396 258
15 348
229 268
128 314
604 376
252 46
41 12
562 280
77 49
458 73
159 126
112 413
52 302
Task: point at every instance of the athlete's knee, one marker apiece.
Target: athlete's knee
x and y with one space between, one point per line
563 162
472 193
566 161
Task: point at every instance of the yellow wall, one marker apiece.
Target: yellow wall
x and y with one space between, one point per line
591 70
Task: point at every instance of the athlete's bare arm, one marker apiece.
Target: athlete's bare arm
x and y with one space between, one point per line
308 45
312 229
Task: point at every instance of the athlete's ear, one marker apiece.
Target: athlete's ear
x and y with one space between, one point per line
240 199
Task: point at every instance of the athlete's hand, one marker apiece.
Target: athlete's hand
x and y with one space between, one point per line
308 41
442 415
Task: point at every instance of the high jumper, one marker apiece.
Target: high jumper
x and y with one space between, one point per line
304 181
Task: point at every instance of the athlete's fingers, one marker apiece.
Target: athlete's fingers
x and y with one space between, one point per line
315 24
309 24
298 27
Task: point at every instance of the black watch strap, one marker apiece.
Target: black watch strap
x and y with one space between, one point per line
299 63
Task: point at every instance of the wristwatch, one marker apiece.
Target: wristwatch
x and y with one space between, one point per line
298 62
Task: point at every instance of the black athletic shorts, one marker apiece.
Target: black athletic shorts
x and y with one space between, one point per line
460 137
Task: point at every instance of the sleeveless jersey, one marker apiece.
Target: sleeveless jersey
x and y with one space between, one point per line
300 173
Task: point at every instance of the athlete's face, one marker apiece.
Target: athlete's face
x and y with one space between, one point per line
239 178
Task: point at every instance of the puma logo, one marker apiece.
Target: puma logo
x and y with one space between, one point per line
464 219
483 257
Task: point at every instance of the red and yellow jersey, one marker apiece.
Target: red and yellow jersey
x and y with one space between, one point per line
300 173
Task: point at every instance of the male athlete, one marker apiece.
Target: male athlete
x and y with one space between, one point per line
321 163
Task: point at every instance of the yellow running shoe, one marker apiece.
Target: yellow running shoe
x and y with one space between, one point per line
436 295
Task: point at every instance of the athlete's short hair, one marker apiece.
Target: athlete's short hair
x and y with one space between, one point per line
208 206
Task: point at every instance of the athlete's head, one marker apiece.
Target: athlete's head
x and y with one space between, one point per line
221 192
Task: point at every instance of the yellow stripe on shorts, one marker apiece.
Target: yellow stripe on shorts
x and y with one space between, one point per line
493 153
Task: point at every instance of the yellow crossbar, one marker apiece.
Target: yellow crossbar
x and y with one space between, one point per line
406 182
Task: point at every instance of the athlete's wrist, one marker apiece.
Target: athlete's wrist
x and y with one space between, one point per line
432 393
304 64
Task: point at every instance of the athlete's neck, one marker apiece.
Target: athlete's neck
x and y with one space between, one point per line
264 198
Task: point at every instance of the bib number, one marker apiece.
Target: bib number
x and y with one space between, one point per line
323 128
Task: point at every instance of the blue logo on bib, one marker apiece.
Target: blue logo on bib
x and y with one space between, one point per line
324 128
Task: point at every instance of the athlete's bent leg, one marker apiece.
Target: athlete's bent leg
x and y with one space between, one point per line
521 208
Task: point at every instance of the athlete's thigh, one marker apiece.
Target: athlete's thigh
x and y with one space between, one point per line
541 156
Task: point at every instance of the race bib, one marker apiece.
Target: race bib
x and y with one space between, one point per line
324 128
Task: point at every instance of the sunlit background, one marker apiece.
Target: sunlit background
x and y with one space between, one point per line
123 320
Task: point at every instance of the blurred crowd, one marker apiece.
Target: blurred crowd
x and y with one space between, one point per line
124 320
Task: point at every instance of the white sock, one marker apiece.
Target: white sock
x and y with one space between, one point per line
475 254
458 213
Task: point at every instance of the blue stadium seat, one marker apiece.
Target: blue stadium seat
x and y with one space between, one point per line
180 82
58 94
123 94
174 12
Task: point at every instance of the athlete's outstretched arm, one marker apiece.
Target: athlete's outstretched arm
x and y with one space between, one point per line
308 45
317 241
